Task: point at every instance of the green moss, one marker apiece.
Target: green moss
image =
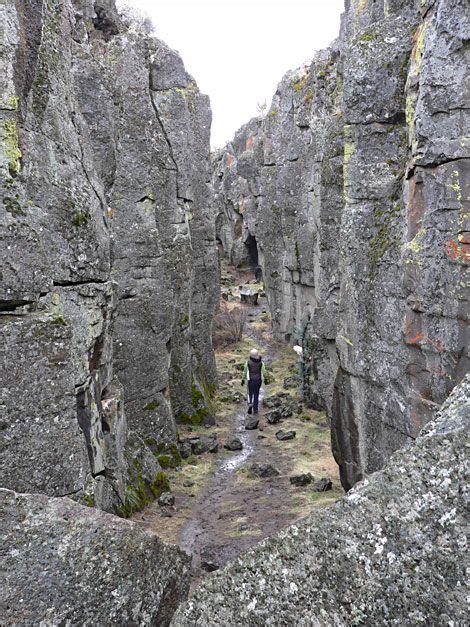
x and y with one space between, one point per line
196 395
184 320
368 36
11 145
195 418
275 209
296 250
81 218
89 500
381 241
308 96
299 83
166 461
152 405
13 102
160 484
60 320
150 441
273 113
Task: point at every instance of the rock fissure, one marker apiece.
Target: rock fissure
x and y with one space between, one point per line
345 206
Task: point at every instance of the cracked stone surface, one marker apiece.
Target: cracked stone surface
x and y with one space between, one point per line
66 563
386 553
355 186
109 266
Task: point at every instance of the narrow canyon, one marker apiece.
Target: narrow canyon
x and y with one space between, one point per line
138 269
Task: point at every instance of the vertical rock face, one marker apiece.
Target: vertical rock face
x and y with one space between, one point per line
109 270
355 188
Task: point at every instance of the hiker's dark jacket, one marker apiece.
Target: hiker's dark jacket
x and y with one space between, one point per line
254 370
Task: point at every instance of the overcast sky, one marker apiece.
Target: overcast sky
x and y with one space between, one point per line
238 50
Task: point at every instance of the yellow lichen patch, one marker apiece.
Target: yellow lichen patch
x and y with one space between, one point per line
359 6
10 103
10 145
349 150
412 94
415 246
454 185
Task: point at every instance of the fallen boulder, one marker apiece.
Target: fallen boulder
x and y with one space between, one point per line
65 563
166 499
249 296
264 470
282 436
251 423
274 416
204 444
322 485
301 480
233 445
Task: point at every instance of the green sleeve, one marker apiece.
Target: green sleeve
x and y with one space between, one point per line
264 372
245 371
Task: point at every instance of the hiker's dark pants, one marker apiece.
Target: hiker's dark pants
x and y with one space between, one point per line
253 393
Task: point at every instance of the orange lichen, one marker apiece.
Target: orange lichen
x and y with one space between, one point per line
456 251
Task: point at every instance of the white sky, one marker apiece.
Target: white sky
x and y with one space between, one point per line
238 50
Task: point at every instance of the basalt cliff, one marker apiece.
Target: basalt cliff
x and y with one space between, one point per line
109 274
352 196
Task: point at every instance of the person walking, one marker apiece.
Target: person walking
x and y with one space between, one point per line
254 372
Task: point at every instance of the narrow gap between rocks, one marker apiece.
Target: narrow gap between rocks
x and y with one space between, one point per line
235 488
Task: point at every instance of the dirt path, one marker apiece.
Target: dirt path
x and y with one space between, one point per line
234 511
221 508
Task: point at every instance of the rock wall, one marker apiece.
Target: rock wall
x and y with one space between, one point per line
355 187
391 552
109 266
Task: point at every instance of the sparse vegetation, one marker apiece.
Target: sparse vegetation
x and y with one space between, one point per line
229 325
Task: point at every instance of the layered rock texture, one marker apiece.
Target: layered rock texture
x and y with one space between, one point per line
70 569
352 194
390 552
109 266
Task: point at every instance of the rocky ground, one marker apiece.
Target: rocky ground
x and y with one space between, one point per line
222 506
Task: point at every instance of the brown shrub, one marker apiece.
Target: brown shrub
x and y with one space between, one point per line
229 324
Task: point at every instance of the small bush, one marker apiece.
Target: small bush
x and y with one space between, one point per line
229 325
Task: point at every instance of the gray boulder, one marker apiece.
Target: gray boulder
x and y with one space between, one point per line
285 435
234 445
64 563
204 444
322 485
389 552
263 470
166 499
301 480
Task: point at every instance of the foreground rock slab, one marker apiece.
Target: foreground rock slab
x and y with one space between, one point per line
69 564
390 552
